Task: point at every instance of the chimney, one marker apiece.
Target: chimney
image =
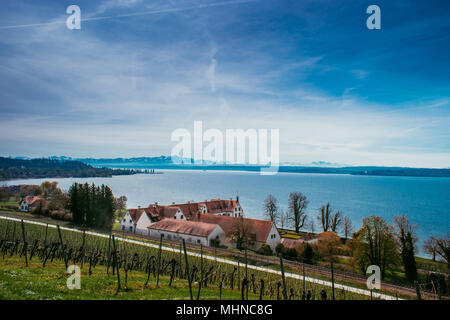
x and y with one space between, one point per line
173 202
156 203
139 207
189 202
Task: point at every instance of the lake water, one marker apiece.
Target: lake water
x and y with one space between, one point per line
425 201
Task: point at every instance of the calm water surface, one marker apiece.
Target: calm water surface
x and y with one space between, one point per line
425 201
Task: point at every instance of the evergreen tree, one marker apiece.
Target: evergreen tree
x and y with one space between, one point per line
74 204
91 205
405 232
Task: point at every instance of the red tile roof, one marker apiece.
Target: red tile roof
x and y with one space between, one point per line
184 227
169 212
191 208
291 243
32 199
135 214
261 228
219 205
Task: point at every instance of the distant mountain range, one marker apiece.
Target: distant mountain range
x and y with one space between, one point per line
167 162
178 160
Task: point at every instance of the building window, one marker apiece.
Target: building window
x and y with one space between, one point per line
198 241
181 217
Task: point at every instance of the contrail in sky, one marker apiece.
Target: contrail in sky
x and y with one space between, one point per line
136 14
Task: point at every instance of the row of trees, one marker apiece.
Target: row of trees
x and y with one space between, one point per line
297 217
92 206
379 243
376 243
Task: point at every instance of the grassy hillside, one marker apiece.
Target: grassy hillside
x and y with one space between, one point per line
37 283
135 262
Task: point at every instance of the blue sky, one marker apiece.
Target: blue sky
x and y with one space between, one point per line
137 70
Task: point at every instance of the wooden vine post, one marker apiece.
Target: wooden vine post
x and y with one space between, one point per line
46 229
283 278
332 279
239 276
82 248
246 273
159 261
188 274
304 282
201 272
62 246
115 262
109 254
25 244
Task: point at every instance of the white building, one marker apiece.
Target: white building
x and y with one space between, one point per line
264 231
29 203
195 216
192 232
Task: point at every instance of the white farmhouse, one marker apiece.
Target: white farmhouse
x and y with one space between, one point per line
29 203
137 220
193 232
264 231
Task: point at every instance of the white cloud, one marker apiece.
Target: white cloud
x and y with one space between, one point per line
86 96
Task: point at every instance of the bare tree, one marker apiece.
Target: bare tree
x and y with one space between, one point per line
311 225
347 227
297 209
242 233
443 248
271 208
430 247
284 219
336 221
328 219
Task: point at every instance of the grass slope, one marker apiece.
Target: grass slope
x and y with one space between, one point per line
36 283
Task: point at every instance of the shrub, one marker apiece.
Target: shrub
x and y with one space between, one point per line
307 255
290 253
279 248
265 250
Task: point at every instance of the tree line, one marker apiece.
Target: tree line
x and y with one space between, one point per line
376 243
297 218
92 206
48 168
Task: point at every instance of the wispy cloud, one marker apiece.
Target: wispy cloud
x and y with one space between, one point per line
119 88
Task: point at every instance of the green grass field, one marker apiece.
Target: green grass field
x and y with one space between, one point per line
49 282
36 283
